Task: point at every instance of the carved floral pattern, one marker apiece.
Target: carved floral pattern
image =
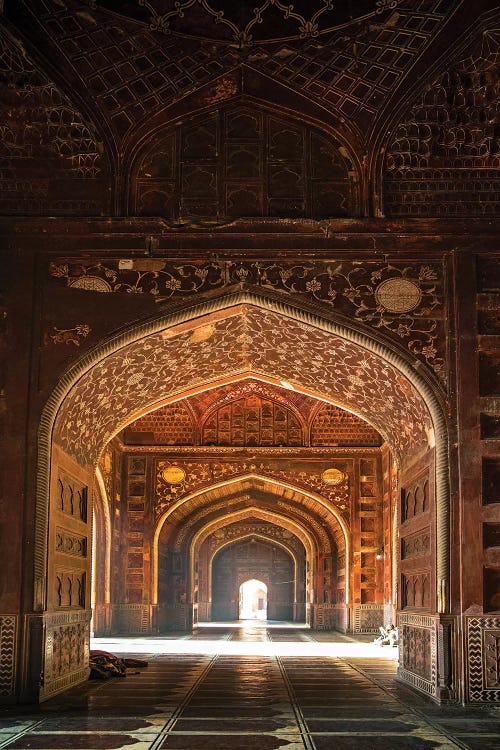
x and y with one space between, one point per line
205 474
348 288
249 340
66 335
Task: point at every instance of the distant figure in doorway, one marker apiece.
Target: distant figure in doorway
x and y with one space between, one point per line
389 636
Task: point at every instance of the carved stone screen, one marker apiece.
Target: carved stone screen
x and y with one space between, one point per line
239 162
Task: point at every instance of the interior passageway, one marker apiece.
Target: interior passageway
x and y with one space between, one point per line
250 686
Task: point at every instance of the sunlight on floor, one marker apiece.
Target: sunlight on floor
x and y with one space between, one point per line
224 644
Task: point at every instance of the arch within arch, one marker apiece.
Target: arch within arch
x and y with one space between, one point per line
265 538
257 309
310 547
235 481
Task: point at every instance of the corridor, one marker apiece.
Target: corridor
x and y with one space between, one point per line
250 687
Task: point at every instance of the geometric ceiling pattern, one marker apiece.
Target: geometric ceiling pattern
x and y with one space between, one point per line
129 68
246 21
251 413
242 341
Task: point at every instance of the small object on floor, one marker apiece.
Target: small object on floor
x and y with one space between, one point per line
104 665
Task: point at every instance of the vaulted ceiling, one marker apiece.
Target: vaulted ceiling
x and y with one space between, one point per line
251 413
400 88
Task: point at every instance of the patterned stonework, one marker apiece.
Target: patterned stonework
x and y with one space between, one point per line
443 160
405 301
418 651
367 618
8 633
483 659
248 340
39 125
352 70
66 651
251 413
201 474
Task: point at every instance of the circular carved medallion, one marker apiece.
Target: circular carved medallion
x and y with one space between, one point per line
333 476
173 475
398 295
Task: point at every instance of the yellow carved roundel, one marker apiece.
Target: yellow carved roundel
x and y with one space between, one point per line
333 476
173 474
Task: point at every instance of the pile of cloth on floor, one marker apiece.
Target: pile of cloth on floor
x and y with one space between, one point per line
104 665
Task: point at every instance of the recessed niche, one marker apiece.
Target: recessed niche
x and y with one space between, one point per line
488 322
491 535
488 275
491 480
490 427
489 374
491 580
367 524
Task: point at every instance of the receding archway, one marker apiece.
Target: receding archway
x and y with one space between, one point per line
349 369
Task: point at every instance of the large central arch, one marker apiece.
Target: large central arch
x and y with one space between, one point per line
227 339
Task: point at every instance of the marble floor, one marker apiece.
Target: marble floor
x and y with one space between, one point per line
250 687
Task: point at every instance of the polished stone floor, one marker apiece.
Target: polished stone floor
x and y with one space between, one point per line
250 687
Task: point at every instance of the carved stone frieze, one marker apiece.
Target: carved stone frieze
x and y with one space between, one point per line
416 545
404 301
205 474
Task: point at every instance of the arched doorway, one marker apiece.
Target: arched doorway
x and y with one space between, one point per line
259 560
349 369
253 600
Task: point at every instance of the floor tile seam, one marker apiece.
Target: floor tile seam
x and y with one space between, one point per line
301 722
398 700
182 705
16 736
177 712
411 709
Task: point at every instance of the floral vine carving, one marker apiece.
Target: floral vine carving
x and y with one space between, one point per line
239 23
203 474
404 301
